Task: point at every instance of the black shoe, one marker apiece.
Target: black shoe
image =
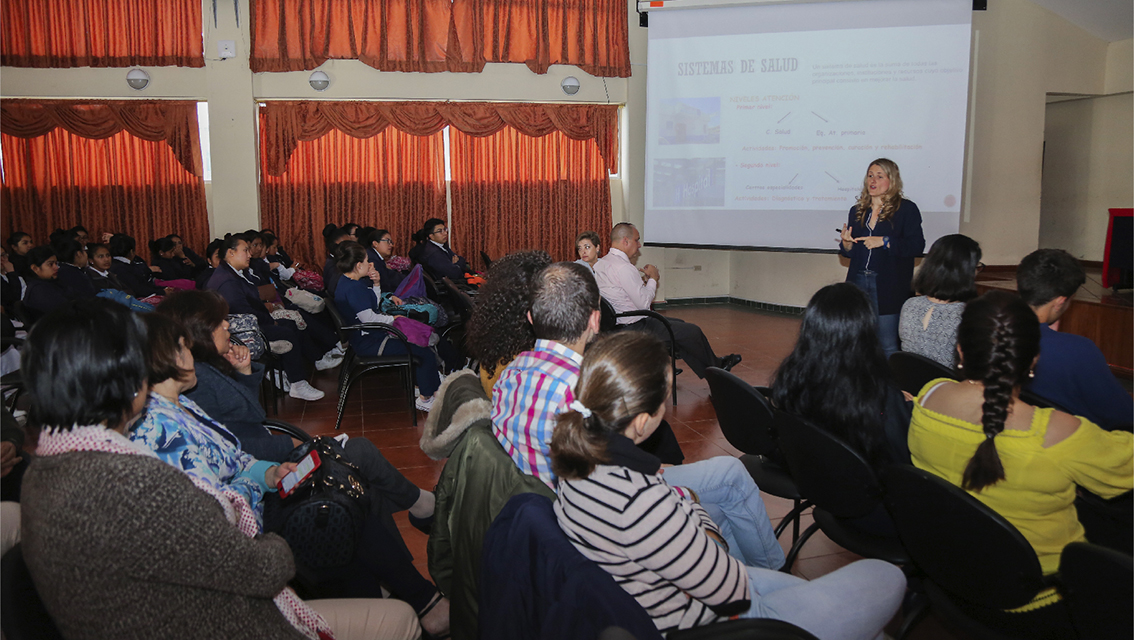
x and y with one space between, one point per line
730 361
424 525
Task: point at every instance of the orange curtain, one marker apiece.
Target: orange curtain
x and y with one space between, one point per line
513 192
119 183
391 180
101 33
441 35
591 34
287 123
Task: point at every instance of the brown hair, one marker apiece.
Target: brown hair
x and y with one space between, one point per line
891 200
163 344
624 374
200 313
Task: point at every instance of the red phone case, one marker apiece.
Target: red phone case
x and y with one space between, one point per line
314 458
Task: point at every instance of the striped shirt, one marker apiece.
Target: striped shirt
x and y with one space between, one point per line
625 518
528 397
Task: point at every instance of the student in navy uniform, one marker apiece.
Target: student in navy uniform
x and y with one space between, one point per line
434 253
45 293
72 270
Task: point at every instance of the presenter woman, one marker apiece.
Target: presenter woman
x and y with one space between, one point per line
882 237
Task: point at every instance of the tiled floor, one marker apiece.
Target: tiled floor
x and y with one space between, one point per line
377 410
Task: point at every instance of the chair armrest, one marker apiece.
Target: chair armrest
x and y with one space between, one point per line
286 428
382 326
648 313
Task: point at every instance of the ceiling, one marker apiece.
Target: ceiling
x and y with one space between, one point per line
1111 20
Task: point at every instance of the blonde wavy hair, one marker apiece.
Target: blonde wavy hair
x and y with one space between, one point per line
891 200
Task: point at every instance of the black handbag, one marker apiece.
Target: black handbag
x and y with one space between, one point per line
322 520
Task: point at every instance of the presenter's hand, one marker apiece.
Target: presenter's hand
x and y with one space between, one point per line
870 242
651 272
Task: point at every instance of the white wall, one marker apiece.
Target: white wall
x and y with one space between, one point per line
1087 169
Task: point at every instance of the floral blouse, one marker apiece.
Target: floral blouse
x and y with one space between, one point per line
187 438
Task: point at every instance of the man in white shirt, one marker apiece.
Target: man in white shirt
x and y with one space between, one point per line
628 289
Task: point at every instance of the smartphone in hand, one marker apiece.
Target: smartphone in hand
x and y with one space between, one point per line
306 467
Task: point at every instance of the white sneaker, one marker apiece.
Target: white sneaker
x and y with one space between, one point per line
339 350
304 391
423 404
330 360
279 347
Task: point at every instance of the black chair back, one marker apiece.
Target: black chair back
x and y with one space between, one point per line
1098 586
828 472
486 260
761 628
337 320
461 300
966 548
912 371
744 414
607 322
22 614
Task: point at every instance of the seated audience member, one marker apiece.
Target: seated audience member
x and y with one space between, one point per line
622 285
278 263
587 245
357 299
332 235
379 248
13 461
1022 462
172 267
72 269
185 253
1072 372
185 436
278 250
499 328
212 261
19 244
12 284
351 229
153 557
45 293
944 282
436 255
242 297
131 270
81 234
106 283
619 510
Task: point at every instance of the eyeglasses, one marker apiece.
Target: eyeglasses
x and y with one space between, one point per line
387 241
440 230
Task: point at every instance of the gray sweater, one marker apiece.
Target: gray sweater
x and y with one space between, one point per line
124 546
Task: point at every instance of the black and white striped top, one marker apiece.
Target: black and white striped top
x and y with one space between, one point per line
630 522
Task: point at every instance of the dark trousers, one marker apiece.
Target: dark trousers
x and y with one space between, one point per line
308 345
692 345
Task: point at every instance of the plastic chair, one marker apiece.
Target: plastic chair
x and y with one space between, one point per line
1098 586
609 322
22 614
970 554
841 484
355 366
912 372
746 419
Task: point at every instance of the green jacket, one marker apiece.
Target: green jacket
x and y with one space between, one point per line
476 483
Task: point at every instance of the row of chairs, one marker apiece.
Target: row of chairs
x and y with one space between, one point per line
958 553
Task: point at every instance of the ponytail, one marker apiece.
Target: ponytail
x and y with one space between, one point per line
624 375
999 338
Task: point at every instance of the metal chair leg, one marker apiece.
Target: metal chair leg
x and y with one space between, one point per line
795 548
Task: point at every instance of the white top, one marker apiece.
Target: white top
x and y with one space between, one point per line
621 284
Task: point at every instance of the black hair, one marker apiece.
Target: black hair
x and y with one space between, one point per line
564 295
15 238
949 270
84 364
56 236
349 228
200 313
1046 274
160 245
426 230
121 245
999 338
79 229
268 238
362 233
38 255
163 344
348 254
176 235
837 376
624 374
93 248
499 329
212 248
230 243
67 249
374 236
332 236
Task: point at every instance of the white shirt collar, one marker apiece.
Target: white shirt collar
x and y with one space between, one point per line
437 243
104 274
123 259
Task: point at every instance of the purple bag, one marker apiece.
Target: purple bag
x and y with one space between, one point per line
416 332
413 286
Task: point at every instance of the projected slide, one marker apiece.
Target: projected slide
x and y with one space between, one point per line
762 120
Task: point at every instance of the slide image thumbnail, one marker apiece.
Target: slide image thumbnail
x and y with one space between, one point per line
690 121
689 182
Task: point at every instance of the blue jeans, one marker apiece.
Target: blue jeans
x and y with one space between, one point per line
727 492
887 326
851 603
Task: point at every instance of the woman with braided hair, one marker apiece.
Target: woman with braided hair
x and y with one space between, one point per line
1019 460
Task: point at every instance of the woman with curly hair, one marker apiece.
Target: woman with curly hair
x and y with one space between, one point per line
882 237
499 327
1023 462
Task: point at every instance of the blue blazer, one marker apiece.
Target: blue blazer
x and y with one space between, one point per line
439 262
390 278
76 284
241 295
137 277
894 266
234 402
